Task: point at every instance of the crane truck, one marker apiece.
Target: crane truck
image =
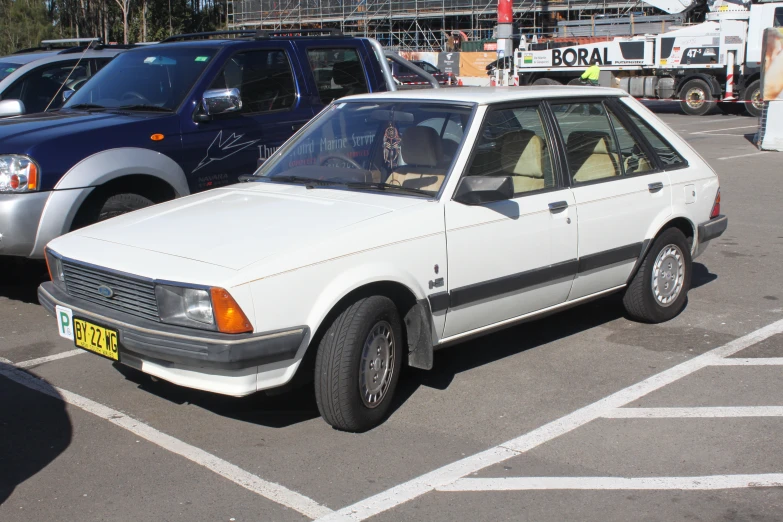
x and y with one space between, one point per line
714 62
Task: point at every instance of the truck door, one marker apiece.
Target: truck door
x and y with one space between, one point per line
216 152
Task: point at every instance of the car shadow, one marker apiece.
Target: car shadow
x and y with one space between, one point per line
34 429
19 278
701 275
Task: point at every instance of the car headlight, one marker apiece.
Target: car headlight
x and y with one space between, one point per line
18 174
55 266
201 307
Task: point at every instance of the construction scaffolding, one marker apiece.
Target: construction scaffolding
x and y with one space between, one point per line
421 25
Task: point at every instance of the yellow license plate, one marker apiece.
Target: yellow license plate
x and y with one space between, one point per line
94 338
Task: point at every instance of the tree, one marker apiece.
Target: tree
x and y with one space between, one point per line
124 6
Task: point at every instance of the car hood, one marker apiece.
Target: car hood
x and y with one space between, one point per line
28 128
233 227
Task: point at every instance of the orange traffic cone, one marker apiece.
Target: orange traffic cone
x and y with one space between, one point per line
459 82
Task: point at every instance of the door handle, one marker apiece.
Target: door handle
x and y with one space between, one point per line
557 206
655 187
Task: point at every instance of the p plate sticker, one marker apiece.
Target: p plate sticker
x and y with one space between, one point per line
64 321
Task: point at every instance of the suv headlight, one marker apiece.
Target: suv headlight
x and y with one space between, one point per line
18 174
201 307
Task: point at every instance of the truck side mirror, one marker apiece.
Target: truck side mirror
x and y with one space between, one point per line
477 190
11 108
221 101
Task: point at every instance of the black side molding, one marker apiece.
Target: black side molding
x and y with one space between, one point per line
609 257
713 228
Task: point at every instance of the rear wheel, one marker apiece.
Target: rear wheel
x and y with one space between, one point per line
696 98
752 99
546 81
659 289
358 365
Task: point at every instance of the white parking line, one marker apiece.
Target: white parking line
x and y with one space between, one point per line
270 490
768 480
450 473
49 358
700 413
726 129
741 155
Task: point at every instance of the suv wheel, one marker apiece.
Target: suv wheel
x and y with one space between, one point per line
659 289
358 365
119 204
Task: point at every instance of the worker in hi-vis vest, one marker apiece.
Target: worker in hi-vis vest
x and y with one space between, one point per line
591 73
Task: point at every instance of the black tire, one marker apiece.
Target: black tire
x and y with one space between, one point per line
546 81
701 100
119 204
753 92
576 81
341 400
640 300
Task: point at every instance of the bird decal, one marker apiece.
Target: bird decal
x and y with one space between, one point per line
221 149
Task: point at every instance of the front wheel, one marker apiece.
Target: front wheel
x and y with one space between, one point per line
659 289
696 98
753 102
358 365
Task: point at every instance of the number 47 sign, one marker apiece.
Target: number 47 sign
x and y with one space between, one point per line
64 322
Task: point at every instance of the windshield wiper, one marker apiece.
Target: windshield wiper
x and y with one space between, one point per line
300 179
387 186
143 107
86 106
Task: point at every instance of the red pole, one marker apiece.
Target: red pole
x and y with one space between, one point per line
505 11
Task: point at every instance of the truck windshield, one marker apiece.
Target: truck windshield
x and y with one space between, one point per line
147 79
401 146
7 68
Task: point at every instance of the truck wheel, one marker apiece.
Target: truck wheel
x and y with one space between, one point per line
119 204
659 289
753 101
696 98
358 365
546 81
575 81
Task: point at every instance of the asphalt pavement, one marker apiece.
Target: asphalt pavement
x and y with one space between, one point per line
585 415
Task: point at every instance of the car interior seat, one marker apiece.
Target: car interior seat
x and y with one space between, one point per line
422 151
523 157
589 156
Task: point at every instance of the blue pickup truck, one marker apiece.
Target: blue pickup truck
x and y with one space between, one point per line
169 119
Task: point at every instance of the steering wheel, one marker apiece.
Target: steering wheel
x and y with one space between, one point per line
344 158
134 94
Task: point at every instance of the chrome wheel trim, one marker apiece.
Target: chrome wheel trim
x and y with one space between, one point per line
376 366
668 275
756 100
695 97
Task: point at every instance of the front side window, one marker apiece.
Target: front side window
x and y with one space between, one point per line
338 73
264 80
591 149
145 79
669 157
512 142
403 145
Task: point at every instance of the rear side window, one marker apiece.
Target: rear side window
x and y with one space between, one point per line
634 159
264 80
666 153
337 72
512 142
43 87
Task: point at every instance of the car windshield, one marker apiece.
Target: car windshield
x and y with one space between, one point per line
7 68
151 79
395 146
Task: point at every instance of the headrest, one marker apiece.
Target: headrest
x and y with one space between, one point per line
522 154
347 73
421 146
588 142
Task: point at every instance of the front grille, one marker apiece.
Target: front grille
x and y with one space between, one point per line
133 296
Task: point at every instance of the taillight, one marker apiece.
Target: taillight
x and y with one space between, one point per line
716 206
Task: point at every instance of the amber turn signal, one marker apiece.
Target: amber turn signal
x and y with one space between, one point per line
229 317
157 137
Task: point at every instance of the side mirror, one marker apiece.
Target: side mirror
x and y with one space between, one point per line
67 93
11 108
477 190
221 101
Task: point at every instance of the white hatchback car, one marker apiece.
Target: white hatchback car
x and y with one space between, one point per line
391 225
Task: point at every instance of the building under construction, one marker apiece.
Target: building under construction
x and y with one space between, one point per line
440 25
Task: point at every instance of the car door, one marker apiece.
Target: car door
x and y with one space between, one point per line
619 189
216 152
510 258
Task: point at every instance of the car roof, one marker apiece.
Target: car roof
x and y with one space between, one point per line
490 95
21 59
56 56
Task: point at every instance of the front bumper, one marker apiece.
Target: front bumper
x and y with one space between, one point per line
19 218
163 344
713 228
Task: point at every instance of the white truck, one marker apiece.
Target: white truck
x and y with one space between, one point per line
717 61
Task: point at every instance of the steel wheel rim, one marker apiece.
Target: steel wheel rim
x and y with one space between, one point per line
756 100
668 275
377 364
695 97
